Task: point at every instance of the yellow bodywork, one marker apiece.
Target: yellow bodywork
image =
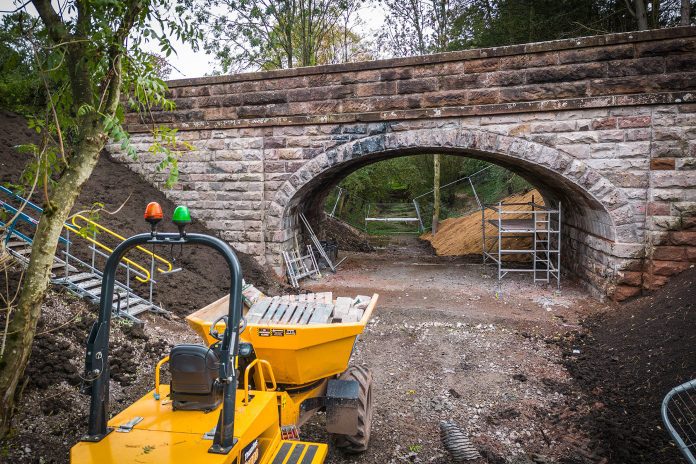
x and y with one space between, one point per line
167 436
299 354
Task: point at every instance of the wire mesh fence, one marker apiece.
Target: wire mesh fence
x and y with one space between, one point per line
679 417
458 198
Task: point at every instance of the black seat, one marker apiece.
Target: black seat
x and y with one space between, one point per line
194 370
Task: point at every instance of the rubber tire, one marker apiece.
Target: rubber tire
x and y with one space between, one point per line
359 442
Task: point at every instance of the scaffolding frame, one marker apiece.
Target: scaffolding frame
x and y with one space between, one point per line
539 223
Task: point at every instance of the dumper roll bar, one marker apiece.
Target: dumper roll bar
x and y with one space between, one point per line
97 357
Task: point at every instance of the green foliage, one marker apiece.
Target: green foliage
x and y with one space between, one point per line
274 34
166 146
20 88
428 26
387 189
60 96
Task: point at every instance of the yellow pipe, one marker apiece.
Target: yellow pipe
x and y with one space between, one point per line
263 378
104 247
77 229
157 376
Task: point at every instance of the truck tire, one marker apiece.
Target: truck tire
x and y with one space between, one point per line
358 443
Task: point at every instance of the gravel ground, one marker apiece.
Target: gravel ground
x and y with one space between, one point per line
446 342
449 343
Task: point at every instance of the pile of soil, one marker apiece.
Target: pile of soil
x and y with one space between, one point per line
51 414
204 276
631 357
462 236
346 236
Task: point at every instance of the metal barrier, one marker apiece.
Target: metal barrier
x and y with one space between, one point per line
77 228
81 277
679 417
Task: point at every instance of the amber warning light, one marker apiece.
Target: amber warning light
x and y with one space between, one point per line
153 213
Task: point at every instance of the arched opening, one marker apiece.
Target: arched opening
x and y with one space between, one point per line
592 207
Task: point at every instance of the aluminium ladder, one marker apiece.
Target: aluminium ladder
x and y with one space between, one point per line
78 275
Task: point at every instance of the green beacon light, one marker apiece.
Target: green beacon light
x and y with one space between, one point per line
181 218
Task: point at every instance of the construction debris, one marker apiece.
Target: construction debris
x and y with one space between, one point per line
309 308
317 243
250 294
299 266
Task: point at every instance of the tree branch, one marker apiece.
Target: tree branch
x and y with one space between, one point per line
16 9
54 23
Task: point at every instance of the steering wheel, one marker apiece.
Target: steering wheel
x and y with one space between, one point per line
217 335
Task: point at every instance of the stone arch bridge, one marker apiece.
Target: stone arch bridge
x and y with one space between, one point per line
605 124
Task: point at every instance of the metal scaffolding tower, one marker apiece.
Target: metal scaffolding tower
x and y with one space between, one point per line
538 223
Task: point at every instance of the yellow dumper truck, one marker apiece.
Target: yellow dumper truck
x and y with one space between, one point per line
242 395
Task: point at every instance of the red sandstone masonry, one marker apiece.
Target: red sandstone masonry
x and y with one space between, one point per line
600 120
570 70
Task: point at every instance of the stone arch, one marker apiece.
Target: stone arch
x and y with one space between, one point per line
594 205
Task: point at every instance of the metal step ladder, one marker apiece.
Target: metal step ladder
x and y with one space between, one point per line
21 250
80 277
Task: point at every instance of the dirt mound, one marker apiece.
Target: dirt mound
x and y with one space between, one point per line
631 357
51 414
204 277
462 236
348 237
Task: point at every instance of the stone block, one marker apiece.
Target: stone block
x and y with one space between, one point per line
668 133
578 151
662 164
669 253
665 47
631 278
669 179
653 281
604 123
667 268
565 73
429 84
684 237
593 54
637 135
623 292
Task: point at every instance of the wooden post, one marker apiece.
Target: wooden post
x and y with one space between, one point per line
436 192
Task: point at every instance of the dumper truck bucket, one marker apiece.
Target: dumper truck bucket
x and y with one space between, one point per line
300 353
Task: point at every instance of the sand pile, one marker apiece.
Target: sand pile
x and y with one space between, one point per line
462 236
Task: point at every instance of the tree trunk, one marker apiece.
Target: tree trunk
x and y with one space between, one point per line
641 15
36 278
685 13
436 192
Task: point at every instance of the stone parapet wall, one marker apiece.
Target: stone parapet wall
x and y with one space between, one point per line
616 70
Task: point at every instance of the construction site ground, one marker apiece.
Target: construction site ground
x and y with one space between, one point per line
533 375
